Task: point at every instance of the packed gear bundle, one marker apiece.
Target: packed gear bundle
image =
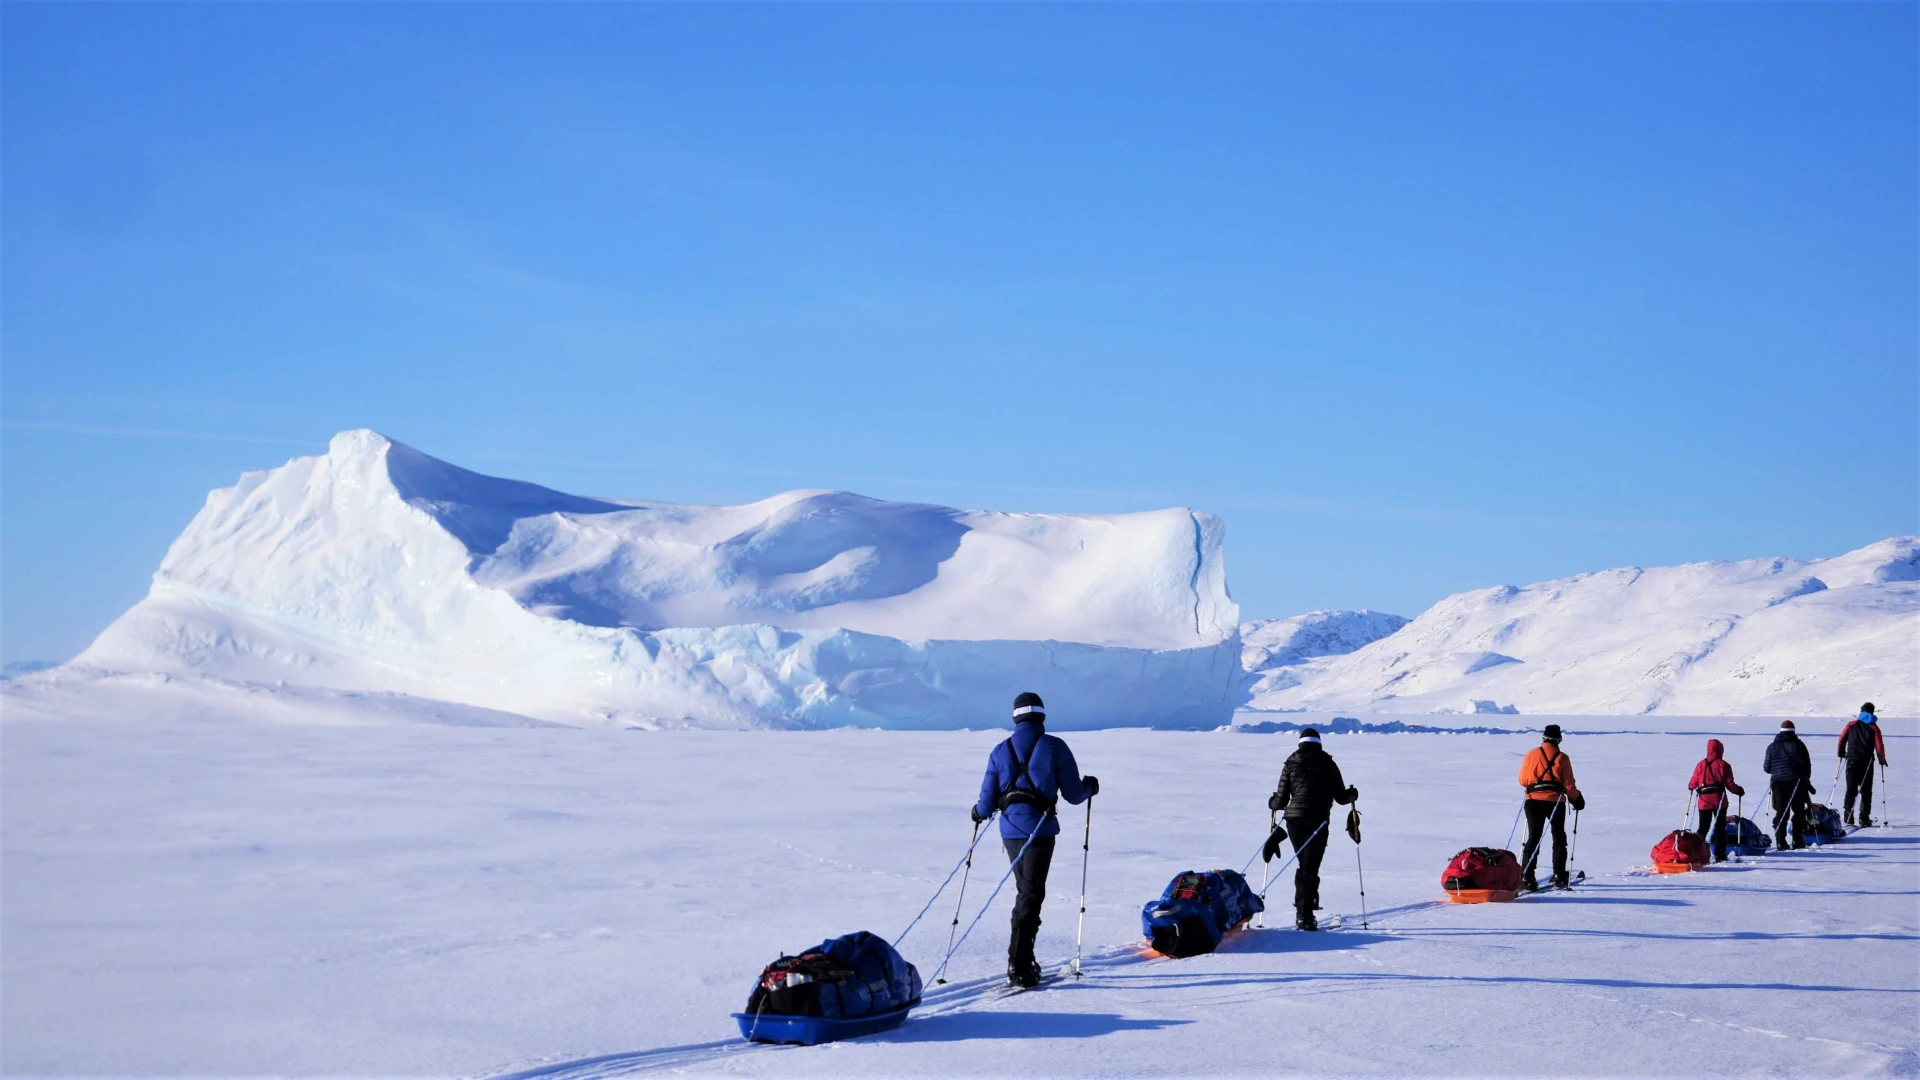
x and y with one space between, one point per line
1824 824
1743 836
1680 851
1482 874
1198 909
845 986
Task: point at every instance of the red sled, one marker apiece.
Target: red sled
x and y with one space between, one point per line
1679 852
1481 875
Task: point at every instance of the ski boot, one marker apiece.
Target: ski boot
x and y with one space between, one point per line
1865 821
1305 921
1847 816
1529 883
1561 880
1024 974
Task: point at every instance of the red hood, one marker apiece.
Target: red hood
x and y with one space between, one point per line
1714 749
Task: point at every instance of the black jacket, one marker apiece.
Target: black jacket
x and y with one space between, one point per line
1310 784
1787 758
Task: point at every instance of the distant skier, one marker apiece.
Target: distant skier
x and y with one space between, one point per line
1310 784
1790 769
1712 779
1860 743
1547 776
1026 776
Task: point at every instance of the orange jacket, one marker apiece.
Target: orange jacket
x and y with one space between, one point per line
1545 764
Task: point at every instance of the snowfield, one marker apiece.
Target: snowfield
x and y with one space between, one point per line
222 890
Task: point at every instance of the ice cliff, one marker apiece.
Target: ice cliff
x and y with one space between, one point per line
377 568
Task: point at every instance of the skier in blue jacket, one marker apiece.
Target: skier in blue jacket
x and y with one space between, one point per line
1027 775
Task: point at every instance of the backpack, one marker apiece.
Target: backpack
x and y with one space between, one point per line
1197 910
1824 822
839 979
1742 835
1681 846
1482 868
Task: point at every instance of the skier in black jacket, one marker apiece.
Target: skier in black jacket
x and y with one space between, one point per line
1860 742
1791 770
1310 784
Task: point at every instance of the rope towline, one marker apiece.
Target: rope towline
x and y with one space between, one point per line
1031 837
964 859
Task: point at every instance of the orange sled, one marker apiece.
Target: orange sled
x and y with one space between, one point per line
1481 896
1673 867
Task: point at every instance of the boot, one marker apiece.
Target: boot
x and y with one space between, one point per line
1865 821
1305 921
1560 879
1847 816
1529 883
1022 969
1780 841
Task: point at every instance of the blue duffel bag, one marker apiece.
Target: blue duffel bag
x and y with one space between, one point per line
1743 836
846 986
1198 909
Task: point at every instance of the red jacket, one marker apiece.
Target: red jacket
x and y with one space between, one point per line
1711 773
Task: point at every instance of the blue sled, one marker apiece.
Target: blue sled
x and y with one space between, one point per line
811 1030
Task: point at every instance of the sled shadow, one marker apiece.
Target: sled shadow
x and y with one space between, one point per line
1580 896
962 1026
1276 940
664 1057
1734 935
1156 981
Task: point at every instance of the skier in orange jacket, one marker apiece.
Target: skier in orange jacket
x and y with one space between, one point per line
1547 776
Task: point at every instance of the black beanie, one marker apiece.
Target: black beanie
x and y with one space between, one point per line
1551 734
1028 706
1868 707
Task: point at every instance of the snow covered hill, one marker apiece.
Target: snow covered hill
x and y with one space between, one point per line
1278 653
376 568
1755 637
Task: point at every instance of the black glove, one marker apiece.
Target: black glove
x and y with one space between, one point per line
1352 793
1272 847
1093 785
1579 802
974 813
1275 802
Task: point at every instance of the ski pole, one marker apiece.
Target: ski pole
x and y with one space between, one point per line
1361 871
1295 855
1686 809
1883 794
1266 868
1086 844
990 897
1574 848
968 860
1515 827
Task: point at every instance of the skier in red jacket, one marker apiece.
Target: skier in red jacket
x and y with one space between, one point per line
1712 779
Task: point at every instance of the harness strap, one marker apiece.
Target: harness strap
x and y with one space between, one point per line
1029 793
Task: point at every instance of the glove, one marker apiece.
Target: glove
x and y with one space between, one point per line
1352 793
1353 824
1272 847
1093 785
1579 802
1275 802
974 813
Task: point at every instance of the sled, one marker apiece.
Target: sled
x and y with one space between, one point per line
1481 896
813 1030
1673 867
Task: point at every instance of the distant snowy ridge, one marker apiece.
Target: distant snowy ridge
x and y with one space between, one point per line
1278 653
1754 637
375 568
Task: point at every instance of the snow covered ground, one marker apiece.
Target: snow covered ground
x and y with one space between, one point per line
225 892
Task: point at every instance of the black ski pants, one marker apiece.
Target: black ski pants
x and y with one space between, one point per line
1712 833
1539 813
1790 801
1030 891
1306 872
1860 782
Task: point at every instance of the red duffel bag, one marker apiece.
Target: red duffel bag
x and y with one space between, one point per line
1681 846
1482 868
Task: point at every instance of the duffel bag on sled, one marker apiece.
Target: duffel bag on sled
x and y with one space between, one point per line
1824 824
1743 836
1198 909
852 985
1680 851
1481 874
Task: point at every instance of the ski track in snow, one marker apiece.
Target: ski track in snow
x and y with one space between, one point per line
232 898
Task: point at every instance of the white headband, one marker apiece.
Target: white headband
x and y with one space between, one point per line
1314 739
1025 709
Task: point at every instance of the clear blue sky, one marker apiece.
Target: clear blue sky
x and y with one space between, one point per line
1419 299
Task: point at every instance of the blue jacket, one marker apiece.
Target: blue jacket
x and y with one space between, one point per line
1787 758
1051 768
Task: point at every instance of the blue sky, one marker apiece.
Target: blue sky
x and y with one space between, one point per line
1419 299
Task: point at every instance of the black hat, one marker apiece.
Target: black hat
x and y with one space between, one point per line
1028 706
1310 736
1868 707
1551 734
